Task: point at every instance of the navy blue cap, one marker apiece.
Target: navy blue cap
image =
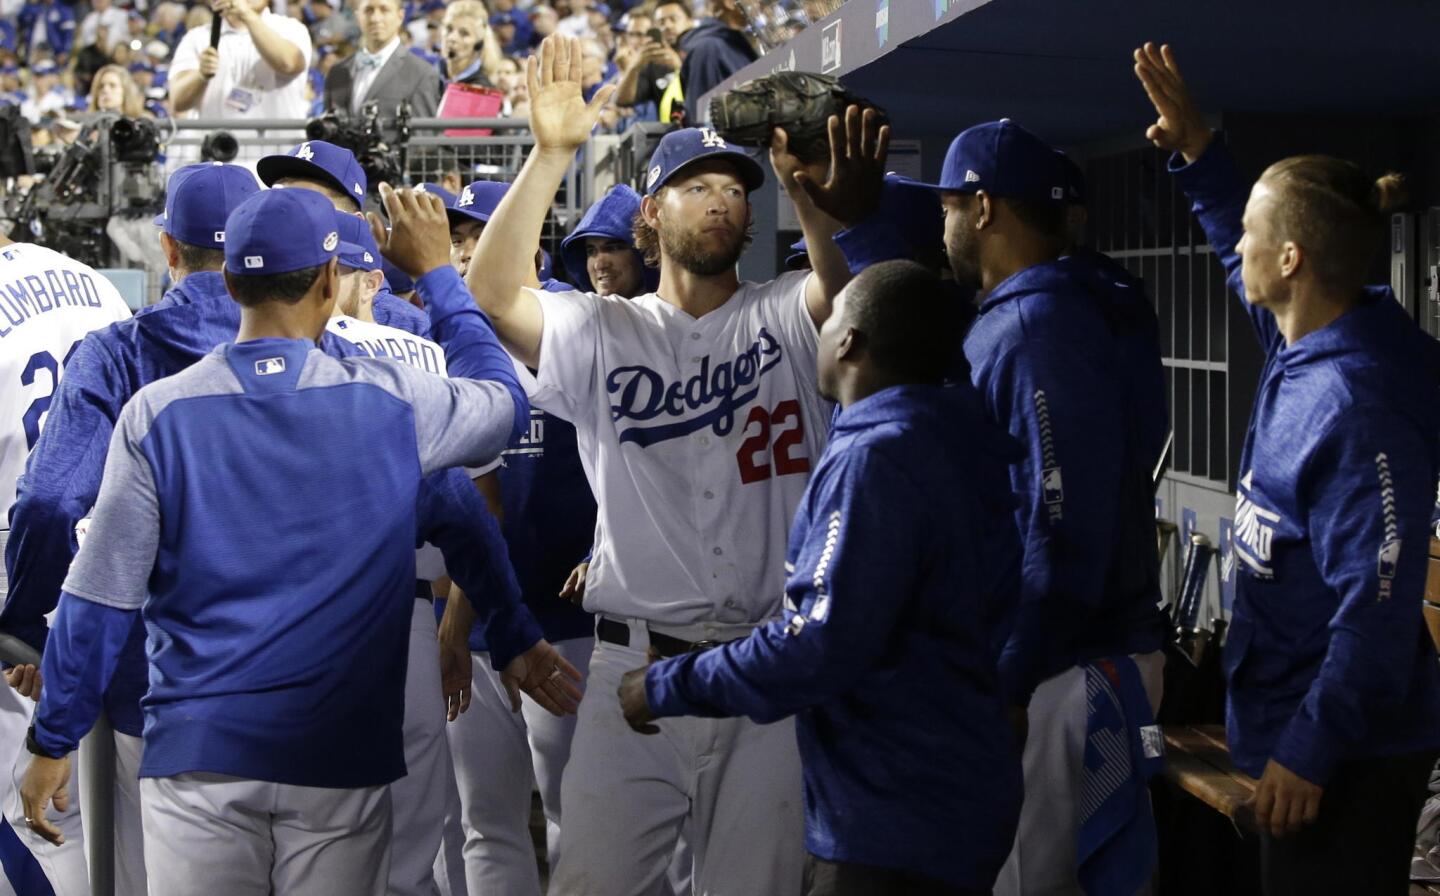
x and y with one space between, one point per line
279 231
680 148
317 160
398 280
198 200
508 17
435 189
799 257
357 244
1006 161
477 202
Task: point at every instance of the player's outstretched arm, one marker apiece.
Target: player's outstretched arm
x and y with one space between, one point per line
504 259
849 194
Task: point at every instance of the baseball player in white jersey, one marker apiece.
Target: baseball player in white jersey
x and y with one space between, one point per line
698 420
48 302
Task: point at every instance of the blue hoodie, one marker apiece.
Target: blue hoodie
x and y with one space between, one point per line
62 478
1066 356
887 651
1327 657
612 217
393 311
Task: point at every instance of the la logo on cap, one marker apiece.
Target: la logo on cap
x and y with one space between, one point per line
709 138
331 241
466 198
358 191
305 152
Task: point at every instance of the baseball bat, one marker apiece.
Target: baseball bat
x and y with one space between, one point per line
214 31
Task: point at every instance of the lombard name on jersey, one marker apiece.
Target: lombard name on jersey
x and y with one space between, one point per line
716 393
30 295
380 341
1255 527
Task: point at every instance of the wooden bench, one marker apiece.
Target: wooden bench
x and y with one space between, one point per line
1198 762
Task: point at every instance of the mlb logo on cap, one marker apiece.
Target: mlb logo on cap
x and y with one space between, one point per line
198 200
279 231
686 146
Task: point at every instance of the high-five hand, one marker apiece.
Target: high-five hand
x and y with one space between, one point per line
418 240
559 116
858 148
1181 128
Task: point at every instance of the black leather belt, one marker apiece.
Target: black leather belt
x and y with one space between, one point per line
423 591
613 632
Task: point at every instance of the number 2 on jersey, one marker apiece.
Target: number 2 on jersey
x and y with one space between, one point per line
756 458
38 362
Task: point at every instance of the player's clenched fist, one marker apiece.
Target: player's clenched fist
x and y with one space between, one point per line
418 241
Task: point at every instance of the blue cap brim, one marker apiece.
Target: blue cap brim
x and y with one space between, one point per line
750 171
273 168
461 215
901 181
354 251
159 221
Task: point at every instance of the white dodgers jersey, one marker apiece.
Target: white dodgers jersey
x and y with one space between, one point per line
48 303
380 341
698 438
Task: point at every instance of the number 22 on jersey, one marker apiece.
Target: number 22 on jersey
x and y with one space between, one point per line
774 443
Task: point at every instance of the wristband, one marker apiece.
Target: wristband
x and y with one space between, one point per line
34 746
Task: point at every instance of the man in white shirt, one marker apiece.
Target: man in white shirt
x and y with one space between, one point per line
103 14
255 73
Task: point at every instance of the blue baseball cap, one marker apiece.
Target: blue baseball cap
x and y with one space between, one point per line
279 231
477 202
142 65
199 199
799 257
1006 161
509 17
687 145
317 160
396 279
435 189
357 244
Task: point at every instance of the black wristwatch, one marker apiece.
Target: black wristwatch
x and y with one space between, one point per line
33 745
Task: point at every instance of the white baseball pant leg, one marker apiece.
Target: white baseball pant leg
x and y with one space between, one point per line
417 800
450 863
129 827
627 797
64 866
217 834
1043 859
500 757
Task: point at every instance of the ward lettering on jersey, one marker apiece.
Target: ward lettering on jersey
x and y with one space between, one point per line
48 302
380 341
1254 530
532 441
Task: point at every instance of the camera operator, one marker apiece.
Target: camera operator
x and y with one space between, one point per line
381 71
255 73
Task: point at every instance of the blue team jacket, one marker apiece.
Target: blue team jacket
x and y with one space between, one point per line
1066 357
1327 656
886 654
63 475
393 311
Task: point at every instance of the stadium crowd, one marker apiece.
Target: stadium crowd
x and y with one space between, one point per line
59 60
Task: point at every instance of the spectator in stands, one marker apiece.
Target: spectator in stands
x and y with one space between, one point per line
596 67
711 50
543 20
169 23
104 24
425 28
513 32
47 95
113 90
649 72
47 23
256 72
330 25
380 71
472 53
577 23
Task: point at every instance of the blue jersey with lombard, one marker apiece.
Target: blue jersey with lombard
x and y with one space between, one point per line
887 653
1327 657
274 626
1066 357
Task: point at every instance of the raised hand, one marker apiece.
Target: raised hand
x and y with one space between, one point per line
858 147
1180 127
559 116
418 240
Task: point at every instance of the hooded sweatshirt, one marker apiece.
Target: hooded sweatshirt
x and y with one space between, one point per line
1066 357
713 52
612 217
885 652
1327 657
62 478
